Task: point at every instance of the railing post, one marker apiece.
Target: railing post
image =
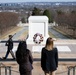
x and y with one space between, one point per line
73 70
5 70
9 70
0 69
68 71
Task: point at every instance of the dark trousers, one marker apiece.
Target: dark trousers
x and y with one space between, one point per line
11 52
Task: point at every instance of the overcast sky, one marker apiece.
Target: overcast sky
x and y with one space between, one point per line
6 1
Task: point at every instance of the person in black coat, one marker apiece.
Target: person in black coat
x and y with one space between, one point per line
24 59
49 58
9 45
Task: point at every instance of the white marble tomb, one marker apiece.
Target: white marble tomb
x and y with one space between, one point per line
37 24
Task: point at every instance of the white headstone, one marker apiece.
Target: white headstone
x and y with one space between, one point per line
37 24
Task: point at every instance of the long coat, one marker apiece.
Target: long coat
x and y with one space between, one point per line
49 59
25 64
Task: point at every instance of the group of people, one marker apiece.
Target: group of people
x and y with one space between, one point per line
49 57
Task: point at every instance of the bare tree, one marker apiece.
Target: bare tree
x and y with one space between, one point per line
7 20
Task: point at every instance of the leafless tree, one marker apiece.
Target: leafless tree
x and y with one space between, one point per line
8 20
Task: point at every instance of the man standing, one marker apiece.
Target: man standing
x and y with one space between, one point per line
9 45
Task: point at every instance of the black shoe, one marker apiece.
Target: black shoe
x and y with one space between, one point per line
14 58
4 57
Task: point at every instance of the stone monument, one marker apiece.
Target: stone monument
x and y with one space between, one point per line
37 24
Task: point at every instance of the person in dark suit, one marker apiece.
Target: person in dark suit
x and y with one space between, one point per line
49 57
24 59
9 45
